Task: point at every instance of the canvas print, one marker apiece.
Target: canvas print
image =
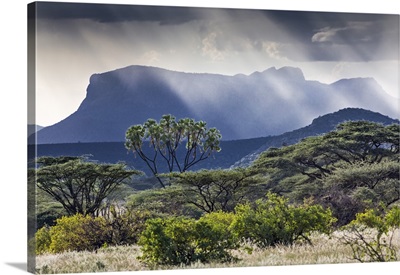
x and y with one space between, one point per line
165 137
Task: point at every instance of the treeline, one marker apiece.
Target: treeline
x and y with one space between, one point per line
347 179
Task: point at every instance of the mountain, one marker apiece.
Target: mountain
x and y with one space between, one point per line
233 154
319 126
33 128
265 103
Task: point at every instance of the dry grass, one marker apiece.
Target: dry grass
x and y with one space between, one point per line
120 258
325 250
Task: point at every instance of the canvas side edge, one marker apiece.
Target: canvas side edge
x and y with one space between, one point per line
31 146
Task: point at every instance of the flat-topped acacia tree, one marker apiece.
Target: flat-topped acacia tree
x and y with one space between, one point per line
80 186
166 137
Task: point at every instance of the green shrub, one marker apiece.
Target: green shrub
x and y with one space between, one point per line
370 235
392 218
274 221
79 233
178 240
43 240
219 221
167 241
215 237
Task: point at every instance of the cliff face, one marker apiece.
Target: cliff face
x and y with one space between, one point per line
264 103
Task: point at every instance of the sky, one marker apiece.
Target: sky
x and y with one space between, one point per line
74 41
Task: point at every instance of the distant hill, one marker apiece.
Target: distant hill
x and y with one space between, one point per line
265 103
32 128
319 126
233 154
114 152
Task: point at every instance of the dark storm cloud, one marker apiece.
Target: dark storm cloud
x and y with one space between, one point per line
306 36
302 24
328 36
108 13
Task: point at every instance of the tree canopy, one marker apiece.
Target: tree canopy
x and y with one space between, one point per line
79 186
218 190
165 138
356 164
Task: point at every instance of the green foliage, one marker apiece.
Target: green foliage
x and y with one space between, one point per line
166 136
392 218
348 169
220 223
78 233
370 235
48 210
219 220
273 221
49 217
43 240
214 240
162 202
370 182
168 241
214 190
361 185
79 186
177 241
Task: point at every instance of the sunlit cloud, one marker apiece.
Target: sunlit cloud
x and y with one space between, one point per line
151 57
273 49
325 35
353 31
210 47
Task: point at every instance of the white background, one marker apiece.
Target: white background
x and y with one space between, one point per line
13 105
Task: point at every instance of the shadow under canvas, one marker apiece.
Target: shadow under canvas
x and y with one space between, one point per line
20 266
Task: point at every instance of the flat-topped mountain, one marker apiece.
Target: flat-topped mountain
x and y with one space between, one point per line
265 103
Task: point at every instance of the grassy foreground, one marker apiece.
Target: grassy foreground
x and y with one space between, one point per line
325 250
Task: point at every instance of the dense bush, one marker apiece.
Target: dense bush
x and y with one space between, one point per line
176 241
215 236
43 240
80 232
126 227
76 232
220 222
273 221
179 240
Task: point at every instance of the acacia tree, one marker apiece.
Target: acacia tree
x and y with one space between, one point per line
79 186
343 169
166 137
218 190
